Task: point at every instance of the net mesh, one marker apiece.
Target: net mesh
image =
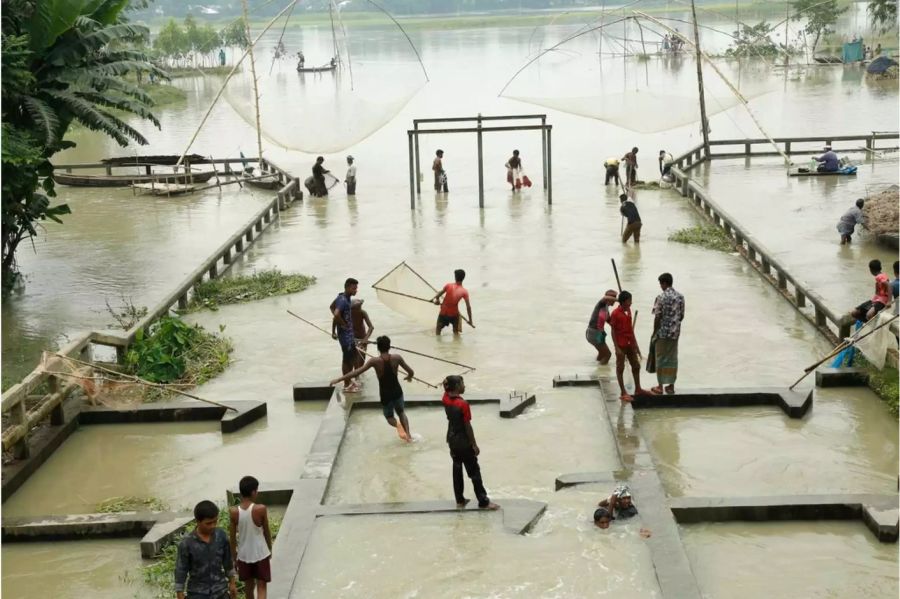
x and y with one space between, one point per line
404 291
100 387
644 93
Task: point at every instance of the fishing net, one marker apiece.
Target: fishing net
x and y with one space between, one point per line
100 386
646 93
406 292
874 347
329 111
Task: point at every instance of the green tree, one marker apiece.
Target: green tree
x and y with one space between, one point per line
753 41
883 14
172 41
235 35
63 61
821 17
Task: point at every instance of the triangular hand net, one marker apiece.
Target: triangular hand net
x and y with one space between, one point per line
406 292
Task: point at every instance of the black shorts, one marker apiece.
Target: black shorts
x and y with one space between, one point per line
864 307
445 321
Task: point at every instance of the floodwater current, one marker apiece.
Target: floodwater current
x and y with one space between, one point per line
534 272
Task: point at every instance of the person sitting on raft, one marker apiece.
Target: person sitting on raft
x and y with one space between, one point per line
830 162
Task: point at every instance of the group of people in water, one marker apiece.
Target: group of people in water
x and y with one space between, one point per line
352 331
318 184
515 174
662 359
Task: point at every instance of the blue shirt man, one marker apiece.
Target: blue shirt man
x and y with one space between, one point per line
344 335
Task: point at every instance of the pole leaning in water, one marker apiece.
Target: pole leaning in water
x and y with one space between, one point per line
704 122
253 74
844 345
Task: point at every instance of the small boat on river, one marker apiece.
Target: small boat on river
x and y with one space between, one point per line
264 182
128 180
323 69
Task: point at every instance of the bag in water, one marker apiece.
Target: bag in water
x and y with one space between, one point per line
526 181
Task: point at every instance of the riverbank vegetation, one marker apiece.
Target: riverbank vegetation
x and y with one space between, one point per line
61 65
179 354
116 505
246 288
885 382
706 236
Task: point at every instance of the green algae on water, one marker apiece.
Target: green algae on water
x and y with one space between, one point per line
235 290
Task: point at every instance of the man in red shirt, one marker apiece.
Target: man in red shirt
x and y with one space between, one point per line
461 441
626 346
867 310
453 293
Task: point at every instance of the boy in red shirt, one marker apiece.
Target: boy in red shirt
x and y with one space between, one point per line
453 293
461 440
867 310
626 346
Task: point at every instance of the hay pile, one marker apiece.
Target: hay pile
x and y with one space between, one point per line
882 211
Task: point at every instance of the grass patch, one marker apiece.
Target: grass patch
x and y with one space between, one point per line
235 290
163 94
115 505
707 236
176 72
160 575
883 382
177 353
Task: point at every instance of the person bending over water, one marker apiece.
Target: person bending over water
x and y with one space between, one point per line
386 366
596 333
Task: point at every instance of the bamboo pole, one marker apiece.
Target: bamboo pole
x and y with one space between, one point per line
255 83
616 272
143 382
704 121
314 325
844 345
424 355
228 78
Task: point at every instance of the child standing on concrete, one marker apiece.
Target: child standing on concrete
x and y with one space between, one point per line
203 564
251 540
461 440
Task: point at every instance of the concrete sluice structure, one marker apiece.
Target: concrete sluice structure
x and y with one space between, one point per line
521 345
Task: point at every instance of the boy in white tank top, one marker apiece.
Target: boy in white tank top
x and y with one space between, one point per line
251 540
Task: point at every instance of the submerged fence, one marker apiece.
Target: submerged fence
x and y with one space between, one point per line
46 393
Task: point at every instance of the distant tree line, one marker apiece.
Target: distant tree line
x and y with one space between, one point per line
190 44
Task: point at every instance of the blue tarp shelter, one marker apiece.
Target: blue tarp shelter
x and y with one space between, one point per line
880 65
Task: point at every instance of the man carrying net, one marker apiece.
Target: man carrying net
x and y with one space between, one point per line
453 293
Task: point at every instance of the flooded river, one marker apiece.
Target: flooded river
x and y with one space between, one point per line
534 272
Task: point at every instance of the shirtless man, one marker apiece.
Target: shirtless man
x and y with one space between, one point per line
386 366
449 314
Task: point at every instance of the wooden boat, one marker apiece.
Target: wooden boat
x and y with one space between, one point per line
127 180
323 69
264 183
161 159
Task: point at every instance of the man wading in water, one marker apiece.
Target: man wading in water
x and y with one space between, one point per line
340 310
449 314
386 366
